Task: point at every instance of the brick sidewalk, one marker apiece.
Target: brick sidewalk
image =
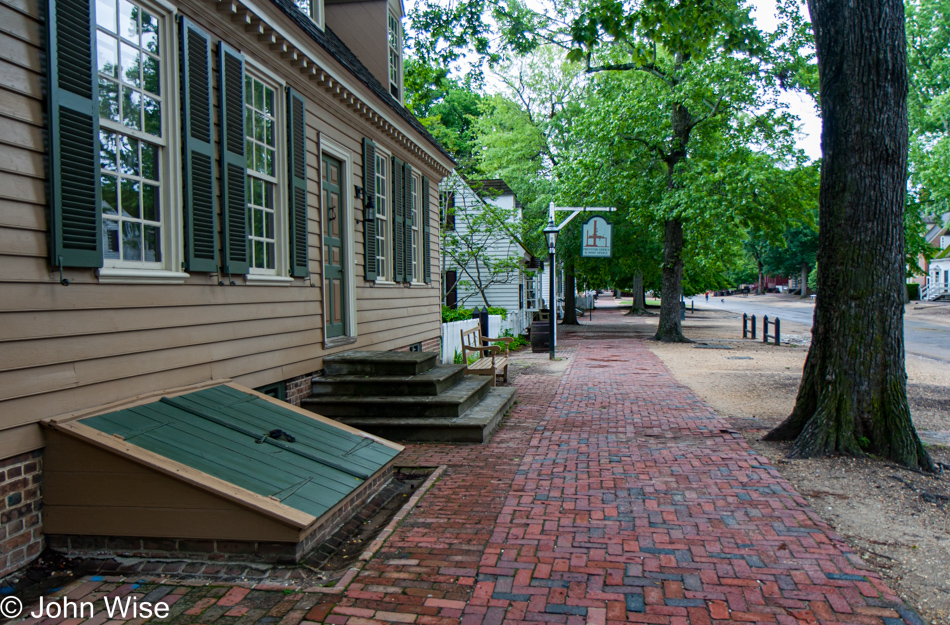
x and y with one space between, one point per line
611 494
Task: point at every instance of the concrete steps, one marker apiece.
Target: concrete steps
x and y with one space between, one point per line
406 396
432 382
474 426
360 362
454 402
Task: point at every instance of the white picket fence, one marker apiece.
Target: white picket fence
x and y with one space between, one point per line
451 332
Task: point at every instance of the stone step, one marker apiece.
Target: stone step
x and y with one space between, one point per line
453 402
360 362
432 382
474 426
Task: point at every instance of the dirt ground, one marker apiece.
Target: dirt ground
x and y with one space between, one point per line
898 520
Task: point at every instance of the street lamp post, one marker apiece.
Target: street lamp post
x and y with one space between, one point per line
550 234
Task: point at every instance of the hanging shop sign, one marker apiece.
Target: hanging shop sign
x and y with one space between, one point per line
597 236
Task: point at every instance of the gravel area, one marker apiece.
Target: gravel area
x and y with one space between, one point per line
898 520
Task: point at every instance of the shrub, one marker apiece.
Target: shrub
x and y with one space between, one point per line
460 314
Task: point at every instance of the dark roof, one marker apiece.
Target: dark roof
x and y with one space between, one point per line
493 187
338 50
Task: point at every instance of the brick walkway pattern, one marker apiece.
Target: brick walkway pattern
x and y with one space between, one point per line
612 494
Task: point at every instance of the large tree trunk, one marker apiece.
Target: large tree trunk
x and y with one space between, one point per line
570 302
638 305
761 287
670 329
853 395
804 279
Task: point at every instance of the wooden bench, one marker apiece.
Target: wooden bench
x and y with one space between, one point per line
492 360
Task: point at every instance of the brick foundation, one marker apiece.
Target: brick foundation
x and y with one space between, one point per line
298 388
21 505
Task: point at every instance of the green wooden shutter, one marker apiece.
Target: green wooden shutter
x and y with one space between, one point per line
407 219
74 204
369 209
399 221
233 160
201 222
424 229
297 159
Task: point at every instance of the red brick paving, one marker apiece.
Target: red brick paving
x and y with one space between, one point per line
611 494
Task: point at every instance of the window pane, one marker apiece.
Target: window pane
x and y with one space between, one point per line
150 205
110 237
110 195
151 75
107 155
270 256
150 33
129 155
131 240
258 95
150 161
153 244
108 99
131 108
128 21
153 116
259 254
269 223
130 65
258 229
105 14
269 102
107 54
130 198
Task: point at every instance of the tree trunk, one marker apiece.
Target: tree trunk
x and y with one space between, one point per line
761 288
570 302
638 305
670 329
804 279
853 395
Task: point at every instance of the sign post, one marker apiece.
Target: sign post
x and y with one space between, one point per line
601 236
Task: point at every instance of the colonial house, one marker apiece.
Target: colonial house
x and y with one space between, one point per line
193 193
484 260
935 283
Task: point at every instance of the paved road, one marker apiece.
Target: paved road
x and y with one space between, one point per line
922 337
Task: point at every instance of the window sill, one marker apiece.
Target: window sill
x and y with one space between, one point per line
379 282
338 341
112 275
265 280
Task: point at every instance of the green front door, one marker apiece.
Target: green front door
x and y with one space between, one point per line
334 289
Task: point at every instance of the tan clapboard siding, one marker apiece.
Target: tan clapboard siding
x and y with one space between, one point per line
66 348
21 439
23 354
13 160
18 383
16 77
376 314
16 133
76 323
20 107
26 57
70 398
22 242
22 22
39 297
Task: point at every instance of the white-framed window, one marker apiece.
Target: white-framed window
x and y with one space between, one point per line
313 9
263 137
383 218
394 38
415 220
134 76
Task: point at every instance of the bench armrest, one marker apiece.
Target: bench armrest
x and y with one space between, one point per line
494 349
